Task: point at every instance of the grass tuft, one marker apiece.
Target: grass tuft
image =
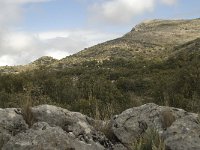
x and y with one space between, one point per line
26 111
149 141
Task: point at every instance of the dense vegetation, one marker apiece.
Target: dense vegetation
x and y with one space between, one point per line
103 89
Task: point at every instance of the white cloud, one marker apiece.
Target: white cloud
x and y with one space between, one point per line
24 47
17 41
118 11
4 60
123 11
11 10
169 2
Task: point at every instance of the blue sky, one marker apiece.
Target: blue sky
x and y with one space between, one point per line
33 28
73 14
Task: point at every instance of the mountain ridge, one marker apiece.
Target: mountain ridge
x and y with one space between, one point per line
154 39
148 40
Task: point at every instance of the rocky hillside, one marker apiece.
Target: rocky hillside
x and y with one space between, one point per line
154 39
54 128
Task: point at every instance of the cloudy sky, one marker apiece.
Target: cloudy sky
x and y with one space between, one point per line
30 29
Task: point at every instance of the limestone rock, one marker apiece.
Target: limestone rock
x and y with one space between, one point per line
182 133
11 123
56 128
81 126
42 136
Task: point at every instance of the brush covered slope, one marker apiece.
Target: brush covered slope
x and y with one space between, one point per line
158 61
149 40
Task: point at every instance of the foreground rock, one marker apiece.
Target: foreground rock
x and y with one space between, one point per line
179 129
11 123
43 136
55 128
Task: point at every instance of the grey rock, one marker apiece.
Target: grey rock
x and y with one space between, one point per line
11 123
68 121
184 134
79 125
181 134
43 136
56 128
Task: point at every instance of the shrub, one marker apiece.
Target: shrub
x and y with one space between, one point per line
167 118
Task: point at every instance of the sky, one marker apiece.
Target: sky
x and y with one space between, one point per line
30 29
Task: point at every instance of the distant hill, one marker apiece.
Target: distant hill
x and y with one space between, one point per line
41 62
150 40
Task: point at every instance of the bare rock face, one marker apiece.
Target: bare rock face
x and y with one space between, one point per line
56 128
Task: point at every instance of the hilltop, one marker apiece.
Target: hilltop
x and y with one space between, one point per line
44 61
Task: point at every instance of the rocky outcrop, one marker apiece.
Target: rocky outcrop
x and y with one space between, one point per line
60 129
11 123
43 136
179 129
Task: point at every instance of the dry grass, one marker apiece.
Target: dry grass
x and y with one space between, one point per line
26 110
149 141
105 128
167 118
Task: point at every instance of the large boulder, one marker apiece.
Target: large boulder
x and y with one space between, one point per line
184 134
43 136
179 129
81 126
68 121
55 128
11 123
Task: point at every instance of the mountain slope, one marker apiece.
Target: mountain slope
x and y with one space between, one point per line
148 40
